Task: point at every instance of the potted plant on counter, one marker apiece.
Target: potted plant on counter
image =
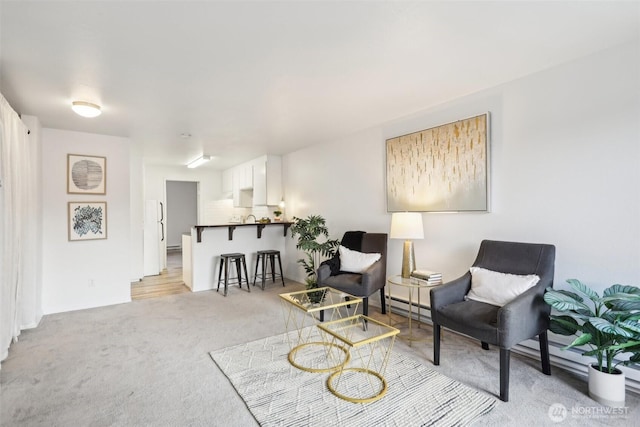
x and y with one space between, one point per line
608 326
277 215
313 240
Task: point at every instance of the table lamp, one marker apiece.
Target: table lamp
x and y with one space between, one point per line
407 225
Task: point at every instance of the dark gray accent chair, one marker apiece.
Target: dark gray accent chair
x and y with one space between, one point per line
361 285
521 319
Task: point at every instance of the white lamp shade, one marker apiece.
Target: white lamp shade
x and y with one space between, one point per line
406 225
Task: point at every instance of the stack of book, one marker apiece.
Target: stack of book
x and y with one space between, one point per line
430 278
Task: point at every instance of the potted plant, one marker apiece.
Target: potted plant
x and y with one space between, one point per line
607 325
313 240
276 215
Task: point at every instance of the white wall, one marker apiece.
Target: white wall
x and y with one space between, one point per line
136 200
90 273
209 188
210 181
565 158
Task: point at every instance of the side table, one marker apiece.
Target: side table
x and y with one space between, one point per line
414 286
371 342
304 309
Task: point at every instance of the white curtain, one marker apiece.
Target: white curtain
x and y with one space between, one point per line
18 203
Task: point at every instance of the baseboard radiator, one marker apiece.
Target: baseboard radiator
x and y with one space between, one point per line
570 360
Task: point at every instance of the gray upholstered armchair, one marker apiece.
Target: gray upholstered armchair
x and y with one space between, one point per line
520 319
360 285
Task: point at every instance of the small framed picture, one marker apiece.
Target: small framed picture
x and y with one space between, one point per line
86 174
87 221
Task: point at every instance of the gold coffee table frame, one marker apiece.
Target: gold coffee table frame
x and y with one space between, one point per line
301 310
372 341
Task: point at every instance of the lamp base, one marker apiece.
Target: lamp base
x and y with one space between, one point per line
408 259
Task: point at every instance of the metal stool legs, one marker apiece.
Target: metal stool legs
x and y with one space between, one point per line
268 257
240 262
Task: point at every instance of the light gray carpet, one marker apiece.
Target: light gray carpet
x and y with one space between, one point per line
279 394
146 363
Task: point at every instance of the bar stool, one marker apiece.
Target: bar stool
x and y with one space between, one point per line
239 260
270 256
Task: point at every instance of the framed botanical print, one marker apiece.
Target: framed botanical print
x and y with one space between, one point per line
87 220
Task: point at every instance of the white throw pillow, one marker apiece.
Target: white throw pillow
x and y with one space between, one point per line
498 288
354 261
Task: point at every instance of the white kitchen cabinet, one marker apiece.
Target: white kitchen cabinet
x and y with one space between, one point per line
227 181
243 185
267 181
255 183
244 174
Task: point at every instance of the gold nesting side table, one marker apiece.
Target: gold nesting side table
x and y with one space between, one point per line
370 343
303 310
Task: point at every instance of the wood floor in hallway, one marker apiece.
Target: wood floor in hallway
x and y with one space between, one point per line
168 282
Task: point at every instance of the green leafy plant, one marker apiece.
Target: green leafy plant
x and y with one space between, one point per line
607 325
313 240
277 213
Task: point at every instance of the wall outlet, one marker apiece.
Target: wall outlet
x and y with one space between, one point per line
91 283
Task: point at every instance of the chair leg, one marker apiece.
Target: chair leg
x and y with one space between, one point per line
264 270
272 259
365 306
238 264
504 374
436 344
485 346
246 275
281 273
383 301
544 353
255 272
226 276
220 273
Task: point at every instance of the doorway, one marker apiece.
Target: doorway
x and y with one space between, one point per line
180 214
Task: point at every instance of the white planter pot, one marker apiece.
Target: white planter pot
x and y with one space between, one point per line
607 389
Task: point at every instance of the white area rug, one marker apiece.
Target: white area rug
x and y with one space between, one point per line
277 394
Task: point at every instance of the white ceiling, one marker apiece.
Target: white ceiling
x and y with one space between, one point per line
249 78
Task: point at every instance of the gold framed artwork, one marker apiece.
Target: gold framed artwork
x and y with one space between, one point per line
87 220
441 169
86 174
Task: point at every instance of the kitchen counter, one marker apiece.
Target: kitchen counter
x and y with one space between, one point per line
232 226
201 249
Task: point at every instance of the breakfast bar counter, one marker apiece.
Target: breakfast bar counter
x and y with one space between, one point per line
232 226
201 248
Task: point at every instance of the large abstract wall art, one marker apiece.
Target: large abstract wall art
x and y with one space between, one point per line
442 169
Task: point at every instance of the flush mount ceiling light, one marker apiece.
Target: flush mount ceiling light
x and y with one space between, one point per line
199 161
85 109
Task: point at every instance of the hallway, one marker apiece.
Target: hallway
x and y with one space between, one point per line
169 282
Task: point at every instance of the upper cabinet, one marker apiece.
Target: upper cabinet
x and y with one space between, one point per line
255 183
267 181
227 181
244 175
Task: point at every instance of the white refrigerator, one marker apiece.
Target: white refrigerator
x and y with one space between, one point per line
154 234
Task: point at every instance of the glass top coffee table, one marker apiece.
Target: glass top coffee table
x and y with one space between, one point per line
302 311
370 343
